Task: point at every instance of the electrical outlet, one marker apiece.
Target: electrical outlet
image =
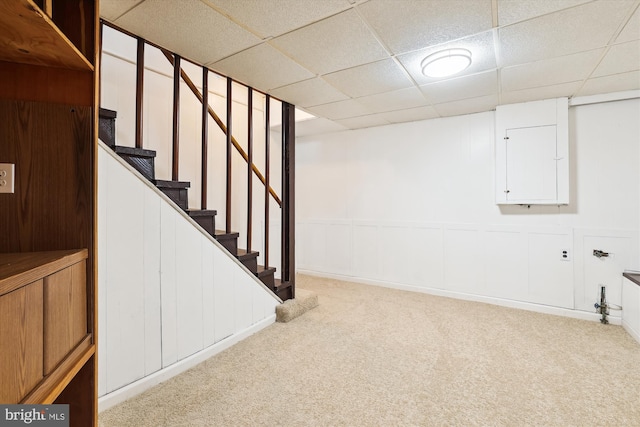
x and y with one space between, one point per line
7 178
565 255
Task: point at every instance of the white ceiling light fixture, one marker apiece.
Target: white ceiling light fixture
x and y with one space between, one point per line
446 62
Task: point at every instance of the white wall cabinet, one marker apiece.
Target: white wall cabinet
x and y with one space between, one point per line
532 153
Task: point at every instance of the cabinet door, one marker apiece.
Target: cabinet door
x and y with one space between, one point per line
65 313
531 164
21 342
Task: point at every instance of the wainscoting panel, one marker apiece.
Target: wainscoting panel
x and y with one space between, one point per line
316 253
523 264
168 293
463 259
125 299
338 255
394 259
168 285
426 255
365 251
550 279
189 289
223 297
208 300
504 256
152 302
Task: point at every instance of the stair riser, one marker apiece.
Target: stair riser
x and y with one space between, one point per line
269 281
230 244
251 264
285 294
178 195
144 165
208 223
107 130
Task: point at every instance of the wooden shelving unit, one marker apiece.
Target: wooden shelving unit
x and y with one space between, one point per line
48 104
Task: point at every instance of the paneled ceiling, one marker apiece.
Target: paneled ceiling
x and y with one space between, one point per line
356 63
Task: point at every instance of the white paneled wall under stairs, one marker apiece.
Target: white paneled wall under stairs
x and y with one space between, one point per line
169 295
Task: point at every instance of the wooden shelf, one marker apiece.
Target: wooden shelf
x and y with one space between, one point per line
53 384
48 297
29 36
20 269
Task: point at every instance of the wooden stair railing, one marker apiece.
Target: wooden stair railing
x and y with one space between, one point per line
223 127
285 287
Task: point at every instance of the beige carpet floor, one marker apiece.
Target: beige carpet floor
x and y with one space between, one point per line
369 356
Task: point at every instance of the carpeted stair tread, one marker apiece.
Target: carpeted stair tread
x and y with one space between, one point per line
290 309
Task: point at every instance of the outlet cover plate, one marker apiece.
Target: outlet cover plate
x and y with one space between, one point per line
7 177
565 255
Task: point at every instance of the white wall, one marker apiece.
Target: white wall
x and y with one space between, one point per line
169 295
412 206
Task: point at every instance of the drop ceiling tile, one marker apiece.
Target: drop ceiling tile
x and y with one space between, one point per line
364 121
411 114
467 106
395 100
473 86
271 18
547 72
537 93
336 43
416 24
482 57
585 27
511 11
112 9
339 110
262 67
173 25
317 126
631 30
620 58
613 83
369 79
308 93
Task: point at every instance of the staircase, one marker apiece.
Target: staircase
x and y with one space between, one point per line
143 161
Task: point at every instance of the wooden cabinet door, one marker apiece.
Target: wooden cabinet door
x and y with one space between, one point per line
21 342
65 313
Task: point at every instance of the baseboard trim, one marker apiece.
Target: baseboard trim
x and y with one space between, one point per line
120 395
631 331
538 308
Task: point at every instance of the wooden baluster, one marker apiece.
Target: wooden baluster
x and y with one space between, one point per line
229 146
139 92
267 200
176 117
249 164
205 136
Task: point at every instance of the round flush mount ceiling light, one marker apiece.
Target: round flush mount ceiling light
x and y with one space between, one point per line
446 62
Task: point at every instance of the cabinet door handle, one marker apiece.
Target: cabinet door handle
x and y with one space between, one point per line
507 191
